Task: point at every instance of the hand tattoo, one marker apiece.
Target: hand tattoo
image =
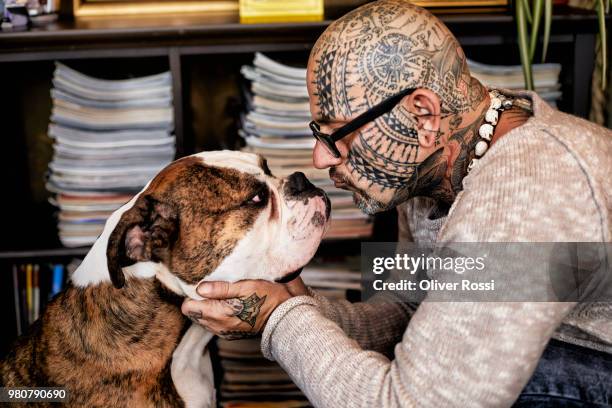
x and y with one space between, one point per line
247 309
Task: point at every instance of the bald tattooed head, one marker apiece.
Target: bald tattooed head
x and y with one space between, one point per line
368 55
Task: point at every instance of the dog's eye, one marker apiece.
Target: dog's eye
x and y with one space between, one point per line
258 198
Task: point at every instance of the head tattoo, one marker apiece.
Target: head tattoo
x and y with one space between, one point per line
373 53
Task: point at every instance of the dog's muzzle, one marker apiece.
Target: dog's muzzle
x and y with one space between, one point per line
298 187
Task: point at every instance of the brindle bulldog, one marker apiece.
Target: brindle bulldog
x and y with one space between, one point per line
112 337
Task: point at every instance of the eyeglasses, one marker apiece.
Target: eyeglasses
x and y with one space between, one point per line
329 141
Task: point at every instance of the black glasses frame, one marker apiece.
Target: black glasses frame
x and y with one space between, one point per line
329 140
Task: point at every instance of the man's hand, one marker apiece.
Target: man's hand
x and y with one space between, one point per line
239 310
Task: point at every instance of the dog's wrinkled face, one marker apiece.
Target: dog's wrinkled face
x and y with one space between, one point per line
219 216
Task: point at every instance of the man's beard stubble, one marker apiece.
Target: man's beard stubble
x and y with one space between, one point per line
361 199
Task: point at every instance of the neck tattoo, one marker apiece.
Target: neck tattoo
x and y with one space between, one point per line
499 103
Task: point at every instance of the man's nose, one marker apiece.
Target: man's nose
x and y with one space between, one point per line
322 158
299 183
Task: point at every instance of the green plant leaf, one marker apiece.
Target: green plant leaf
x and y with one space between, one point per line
521 26
527 10
548 6
538 5
601 17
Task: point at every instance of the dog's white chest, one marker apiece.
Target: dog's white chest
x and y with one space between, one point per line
191 369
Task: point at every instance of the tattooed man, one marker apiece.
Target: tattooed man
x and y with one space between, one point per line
390 84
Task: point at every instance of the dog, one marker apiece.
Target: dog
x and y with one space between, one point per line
112 337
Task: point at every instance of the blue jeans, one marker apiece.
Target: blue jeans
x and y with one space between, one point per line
569 376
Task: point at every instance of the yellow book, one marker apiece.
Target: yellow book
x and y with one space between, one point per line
29 295
278 11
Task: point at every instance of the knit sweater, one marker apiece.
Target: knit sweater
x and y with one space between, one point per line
545 181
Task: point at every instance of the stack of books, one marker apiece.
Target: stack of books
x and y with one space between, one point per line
110 138
545 78
249 380
337 277
275 125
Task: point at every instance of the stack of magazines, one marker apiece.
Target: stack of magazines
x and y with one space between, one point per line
110 138
335 276
276 126
249 380
545 78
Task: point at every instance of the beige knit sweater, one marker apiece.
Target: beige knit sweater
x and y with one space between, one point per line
549 180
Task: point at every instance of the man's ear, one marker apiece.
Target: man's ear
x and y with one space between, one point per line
143 233
425 104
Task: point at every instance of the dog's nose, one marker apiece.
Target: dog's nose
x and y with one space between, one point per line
299 183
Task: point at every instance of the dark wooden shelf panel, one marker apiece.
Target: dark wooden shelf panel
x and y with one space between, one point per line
222 33
44 253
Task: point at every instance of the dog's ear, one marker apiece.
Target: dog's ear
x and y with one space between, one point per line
143 233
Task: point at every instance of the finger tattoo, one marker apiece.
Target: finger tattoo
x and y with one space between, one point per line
194 316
